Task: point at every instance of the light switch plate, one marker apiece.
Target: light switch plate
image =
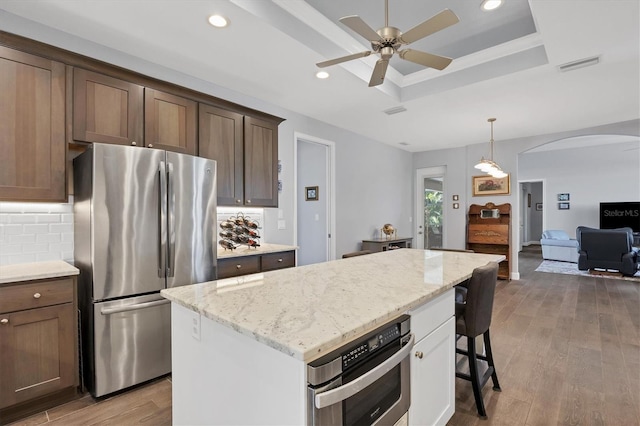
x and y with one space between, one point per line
281 224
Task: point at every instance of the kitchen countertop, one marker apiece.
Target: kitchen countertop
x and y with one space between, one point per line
247 251
36 271
308 311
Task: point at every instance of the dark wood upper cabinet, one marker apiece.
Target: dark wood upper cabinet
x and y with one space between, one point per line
106 109
169 122
221 139
246 151
260 163
32 128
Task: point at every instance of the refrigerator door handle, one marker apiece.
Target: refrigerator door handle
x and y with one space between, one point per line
162 220
172 222
134 307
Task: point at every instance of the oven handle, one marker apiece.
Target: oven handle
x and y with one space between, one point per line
341 393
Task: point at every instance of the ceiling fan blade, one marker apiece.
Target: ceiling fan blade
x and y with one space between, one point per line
432 25
343 59
379 72
358 25
426 59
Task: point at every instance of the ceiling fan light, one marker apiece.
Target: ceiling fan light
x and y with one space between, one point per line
488 5
498 174
218 21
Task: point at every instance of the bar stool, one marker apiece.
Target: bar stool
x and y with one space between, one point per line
473 317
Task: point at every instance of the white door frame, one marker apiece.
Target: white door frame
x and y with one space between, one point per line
518 237
421 174
331 184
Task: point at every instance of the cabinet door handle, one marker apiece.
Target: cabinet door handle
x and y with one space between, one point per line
280 260
37 296
238 266
419 354
238 201
4 321
133 143
150 145
248 201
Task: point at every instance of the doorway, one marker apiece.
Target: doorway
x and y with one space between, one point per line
314 200
430 212
531 217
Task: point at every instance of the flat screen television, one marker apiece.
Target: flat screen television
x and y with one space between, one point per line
620 215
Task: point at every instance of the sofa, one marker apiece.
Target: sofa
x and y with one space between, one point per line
607 249
556 245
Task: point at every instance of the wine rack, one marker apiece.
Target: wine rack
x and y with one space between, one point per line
239 230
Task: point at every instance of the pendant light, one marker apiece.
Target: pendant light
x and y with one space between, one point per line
489 166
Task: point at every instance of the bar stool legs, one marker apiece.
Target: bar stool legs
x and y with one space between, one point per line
477 382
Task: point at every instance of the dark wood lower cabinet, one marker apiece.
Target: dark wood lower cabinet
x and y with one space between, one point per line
38 346
242 265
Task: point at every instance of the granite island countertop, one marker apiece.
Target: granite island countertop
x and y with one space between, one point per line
310 310
249 251
36 271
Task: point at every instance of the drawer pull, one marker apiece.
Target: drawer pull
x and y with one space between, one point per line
4 321
419 354
133 143
238 266
280 260
37 296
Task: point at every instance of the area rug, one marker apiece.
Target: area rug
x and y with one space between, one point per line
569 268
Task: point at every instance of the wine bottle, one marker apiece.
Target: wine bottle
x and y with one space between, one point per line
227 244
226 234
227 224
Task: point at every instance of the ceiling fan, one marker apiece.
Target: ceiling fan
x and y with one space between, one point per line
387 40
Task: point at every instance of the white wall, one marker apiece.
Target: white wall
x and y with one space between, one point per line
373 180
590 175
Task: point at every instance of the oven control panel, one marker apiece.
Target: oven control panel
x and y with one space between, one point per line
379 340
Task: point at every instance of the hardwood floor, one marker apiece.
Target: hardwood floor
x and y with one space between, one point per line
148 404
566 348
567 352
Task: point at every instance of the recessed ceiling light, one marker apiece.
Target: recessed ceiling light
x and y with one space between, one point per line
322 74
490 4
218 21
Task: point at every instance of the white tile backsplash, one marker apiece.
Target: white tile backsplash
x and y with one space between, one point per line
34 232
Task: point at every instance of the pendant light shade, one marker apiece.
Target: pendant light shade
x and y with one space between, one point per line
489 166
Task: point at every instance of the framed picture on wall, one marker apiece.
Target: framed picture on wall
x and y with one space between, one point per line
539 207
488 185
563 197
311 193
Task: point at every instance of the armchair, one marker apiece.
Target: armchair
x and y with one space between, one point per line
607 249
556 245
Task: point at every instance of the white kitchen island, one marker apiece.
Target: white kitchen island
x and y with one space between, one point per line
240 346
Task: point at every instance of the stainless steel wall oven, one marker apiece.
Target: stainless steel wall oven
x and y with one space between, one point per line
365 382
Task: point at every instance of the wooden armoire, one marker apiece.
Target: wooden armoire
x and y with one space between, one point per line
488 231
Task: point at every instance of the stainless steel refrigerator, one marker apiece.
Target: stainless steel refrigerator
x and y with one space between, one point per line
145 219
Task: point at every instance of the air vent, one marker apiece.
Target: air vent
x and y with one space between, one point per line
395 110
570 66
